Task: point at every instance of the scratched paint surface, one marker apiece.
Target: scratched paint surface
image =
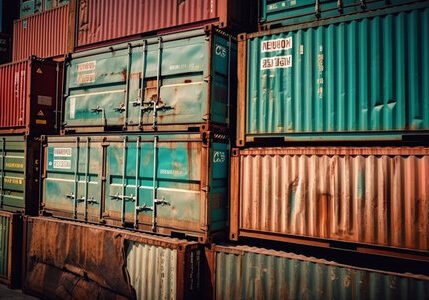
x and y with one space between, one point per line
365 76
117 88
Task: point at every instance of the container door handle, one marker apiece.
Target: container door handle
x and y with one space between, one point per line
120 109
123 197
161 202
97 109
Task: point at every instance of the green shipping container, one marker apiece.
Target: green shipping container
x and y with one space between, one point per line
244 272
30 7
19 174
165 183
345 79
288 12
10 248
182 81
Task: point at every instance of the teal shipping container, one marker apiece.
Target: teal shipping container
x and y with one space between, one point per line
244 272
172 184
31 7
274 13
342 79
19 174
182 81
10 249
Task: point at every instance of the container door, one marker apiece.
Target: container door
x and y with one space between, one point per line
72 184
155 183
12 173
174 87
96 88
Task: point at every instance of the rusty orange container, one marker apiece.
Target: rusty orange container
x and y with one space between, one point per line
43 35
367 199
29 96
103 20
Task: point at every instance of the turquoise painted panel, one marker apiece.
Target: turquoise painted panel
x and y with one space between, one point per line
162 181
12 172
243 272
72 184
288 12
343 80
119 87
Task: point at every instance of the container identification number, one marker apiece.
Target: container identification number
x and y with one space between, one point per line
276 62
62 164
276 45
63 152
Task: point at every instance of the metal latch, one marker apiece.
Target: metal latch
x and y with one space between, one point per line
97 109
123 197
120 109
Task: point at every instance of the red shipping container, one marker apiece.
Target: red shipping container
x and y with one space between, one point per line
30 93
104 20
43 35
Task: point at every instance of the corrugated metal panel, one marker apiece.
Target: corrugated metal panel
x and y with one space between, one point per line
354 79
244 272
13 94
160 183
43 35
107 263
104 20
153 271
118 86
29 93
4 245
377 196
285 12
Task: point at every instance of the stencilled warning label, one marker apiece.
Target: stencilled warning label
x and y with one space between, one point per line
63 152
62 164
276 62
86 66
276 45
85 78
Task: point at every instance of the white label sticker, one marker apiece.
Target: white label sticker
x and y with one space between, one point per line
72 108
44 100
63 152
219 157
85 78
86 66
276 62
62 164
276 45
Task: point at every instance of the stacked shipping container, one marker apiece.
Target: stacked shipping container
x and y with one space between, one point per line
153 102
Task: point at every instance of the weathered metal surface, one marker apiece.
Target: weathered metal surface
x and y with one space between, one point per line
345 79
368 196
43 34
29 7
164 183
243 272
30 93
104 20
19 174
168 82
288 12
107 263
10 248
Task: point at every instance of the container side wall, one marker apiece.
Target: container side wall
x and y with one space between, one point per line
364 76
254 273
152 270
43 35
377 196
13 92
4 246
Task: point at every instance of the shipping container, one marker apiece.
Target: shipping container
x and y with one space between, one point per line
92 262
19 174
184 82
4 48
100 21
368 198
350 78
244 272
10 249
275 13
173 184
30 93
43 34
